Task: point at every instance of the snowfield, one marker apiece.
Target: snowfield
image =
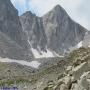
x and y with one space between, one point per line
33 64
42 54
80 44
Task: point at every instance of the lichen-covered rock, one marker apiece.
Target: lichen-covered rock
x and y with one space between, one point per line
74 78
79 70
83 83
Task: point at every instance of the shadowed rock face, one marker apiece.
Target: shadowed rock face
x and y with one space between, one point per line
54 33
55 30
12 40
33 27
9 20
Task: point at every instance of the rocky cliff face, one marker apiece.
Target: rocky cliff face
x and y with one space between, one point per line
51 35
76 75
9 20
62 32
33 27
55 31
12 40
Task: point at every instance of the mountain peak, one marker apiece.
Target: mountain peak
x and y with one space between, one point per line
28 13
58 8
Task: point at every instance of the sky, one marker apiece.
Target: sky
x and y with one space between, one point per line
78 10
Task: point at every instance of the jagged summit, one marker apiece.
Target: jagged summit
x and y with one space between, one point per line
56 9
28 13
62 31
59 9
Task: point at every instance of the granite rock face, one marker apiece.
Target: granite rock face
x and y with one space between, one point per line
62 32
55 30
9 20
33 27
51 35
12 40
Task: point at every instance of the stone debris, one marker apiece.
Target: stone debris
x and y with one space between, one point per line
74 78
79 70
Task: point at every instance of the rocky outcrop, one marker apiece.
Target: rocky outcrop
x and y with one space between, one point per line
75 79
12 40
33 27
76 75
83 83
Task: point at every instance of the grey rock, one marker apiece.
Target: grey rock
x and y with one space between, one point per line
86 40
62 32
79 70
83 83
11 30
55 30
33 27
10 49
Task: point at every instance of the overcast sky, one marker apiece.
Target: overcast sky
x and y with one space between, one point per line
79 10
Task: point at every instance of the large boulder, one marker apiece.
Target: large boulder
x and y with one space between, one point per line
79 70
83 83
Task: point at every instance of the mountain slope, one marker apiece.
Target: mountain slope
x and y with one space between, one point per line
12 40
55 31
52 35
62 32
33 27
10 49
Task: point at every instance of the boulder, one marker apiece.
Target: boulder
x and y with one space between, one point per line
83 83
79 70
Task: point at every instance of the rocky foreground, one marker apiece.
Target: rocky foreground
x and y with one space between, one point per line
76 78
70 73
76 75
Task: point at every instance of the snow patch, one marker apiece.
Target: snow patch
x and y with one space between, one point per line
89 46
57 55
80 44
33 64
42 54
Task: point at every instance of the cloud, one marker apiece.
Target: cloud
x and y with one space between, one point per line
42 6
22 2
21 5
76 11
